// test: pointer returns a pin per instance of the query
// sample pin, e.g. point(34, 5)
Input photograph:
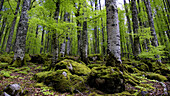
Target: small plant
point(6, 73)
point(153, 53)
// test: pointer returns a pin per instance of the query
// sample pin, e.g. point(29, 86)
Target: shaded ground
point(23, 76)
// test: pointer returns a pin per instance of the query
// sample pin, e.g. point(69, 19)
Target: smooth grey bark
point(2, 28)
point(154, 40)
point(62, 49)
point(12, 28)
point(113, 34)
point(103, 28)
point(136, 46)
point(129, 25)
point(42, 40)
point(22, 31)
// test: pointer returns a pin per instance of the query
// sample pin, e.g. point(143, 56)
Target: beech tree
point(113, 35)
point(19, 52)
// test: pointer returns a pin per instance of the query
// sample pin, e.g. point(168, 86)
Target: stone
point(105, 79)
point(13, 90)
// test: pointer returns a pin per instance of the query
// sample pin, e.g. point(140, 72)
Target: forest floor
point(24, 77)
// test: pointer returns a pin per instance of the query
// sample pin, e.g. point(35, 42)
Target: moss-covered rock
point(6, 59)
point(93, 65)
point(106, 79)
point(156, 76)
point(73, 66)
point(61, 80)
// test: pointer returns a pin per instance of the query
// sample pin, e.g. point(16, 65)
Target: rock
point(61, 80)
point(105, 79)
point(73, 66)
point(13, 90)
point(156, 76)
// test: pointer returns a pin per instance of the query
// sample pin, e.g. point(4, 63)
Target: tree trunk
point(1, 4)
point(4, 40)
point(42, 40)
point(103, 28)
point(154, 40)
point(113, 34)
point(19, 52)
point(84, 41)
point(96, 46)
point(136, 46)
point(12, 28)
point(129, 25)
point(2, 28)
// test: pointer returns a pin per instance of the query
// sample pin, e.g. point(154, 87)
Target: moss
point(6, 59)
point(1, 76)
point(73, 66)
point(156, 76)
point(94, 94)
point(39, 85)
point(3, 65)
point(27, 57)
point(94, 57)
point(106, 78)
point(130, 79)
point(93, 65)
point(18, 62)
point(124, 93)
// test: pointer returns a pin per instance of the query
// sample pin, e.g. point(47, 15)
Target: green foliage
point(153, 52)
point(6, 73)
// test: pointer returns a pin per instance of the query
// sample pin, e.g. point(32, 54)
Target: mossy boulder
point(156, 76)
point(6, 59)
point(73, 66)
point(95, 57)
point(107, 79)
point(61, 80)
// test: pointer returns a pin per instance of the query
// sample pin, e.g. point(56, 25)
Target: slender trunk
point(84, 41)
point(1, 4)
point(12, 28)
point(36, 34)
point(42, 40)
point(113, 34)
point(154, 40)
point(78, 28)
point(2, 28)
point(4, 40)
point(22, 32)
point(136, 46)
point(103, 38)
point(96, 47)
point(129, 25)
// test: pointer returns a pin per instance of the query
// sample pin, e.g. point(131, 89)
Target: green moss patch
point(3, 65)
point(156, 76)
point(73, 66)
point(106, 79)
